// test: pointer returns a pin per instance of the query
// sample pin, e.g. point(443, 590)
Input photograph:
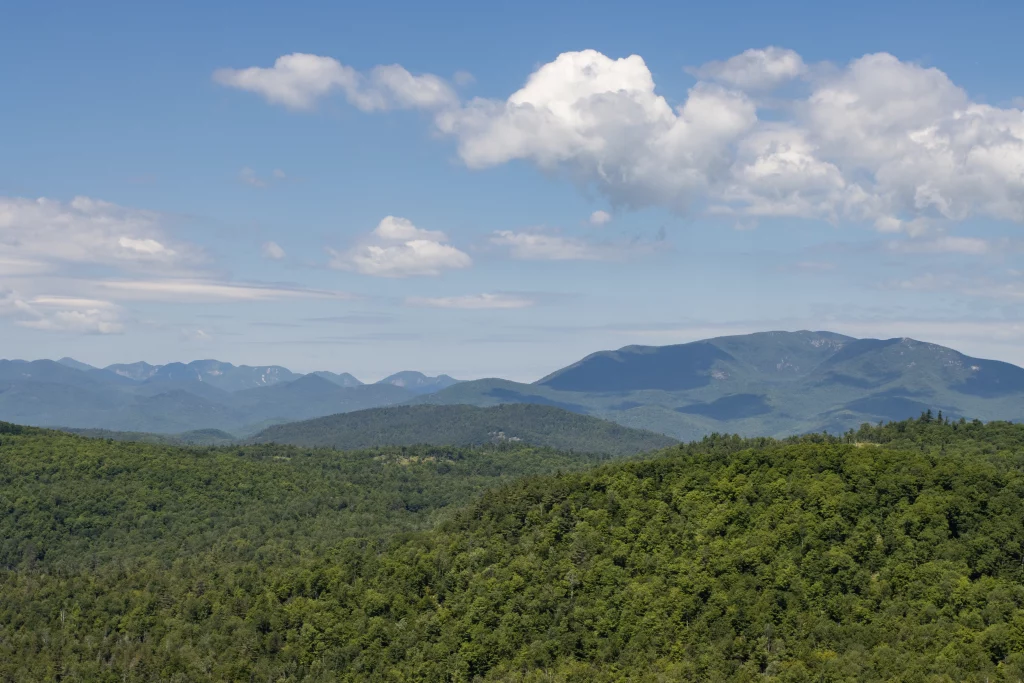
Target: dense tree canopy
point(890, 553)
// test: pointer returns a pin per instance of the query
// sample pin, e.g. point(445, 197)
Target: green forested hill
point(467, 425)
point(813, 559)
point(70, 502)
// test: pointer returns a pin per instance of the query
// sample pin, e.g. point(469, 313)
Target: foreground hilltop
point(890, 553)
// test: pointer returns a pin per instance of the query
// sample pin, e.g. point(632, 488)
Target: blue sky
point(484, 190)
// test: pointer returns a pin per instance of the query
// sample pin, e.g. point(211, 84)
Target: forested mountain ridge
point(466, 425)
point(884, 553)
point(775, 383)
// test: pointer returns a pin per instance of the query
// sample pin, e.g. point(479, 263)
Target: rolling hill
point(466, 425)
point(892, 553)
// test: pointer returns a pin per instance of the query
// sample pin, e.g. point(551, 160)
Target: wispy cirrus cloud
point(90, 231)
point(249, 177)
point(547, 245)
point(474, 302)
point(182, 290)
point(62, 313)
point(943, 244)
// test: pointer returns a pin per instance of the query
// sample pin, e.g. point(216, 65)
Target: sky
point(485, 189)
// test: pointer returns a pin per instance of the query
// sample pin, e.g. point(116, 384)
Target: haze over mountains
point(180, 397)
point(772, 383)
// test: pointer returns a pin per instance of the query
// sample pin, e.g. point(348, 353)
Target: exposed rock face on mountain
point(418, 383)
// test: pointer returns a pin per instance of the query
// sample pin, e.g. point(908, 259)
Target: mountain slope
point(342, 380)
point(14, 372)
point(774, 383)
point(465, 425)
point(137, 371)
point(313, 396)
point(77, 365)
point(633, 368)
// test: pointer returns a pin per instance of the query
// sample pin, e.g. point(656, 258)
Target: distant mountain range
point(772, 383)
point(182, 397)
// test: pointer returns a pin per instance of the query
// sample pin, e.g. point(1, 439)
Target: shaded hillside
point(820, 558)
point(466, 425)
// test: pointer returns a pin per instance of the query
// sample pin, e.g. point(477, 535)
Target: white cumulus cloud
point(397, 248)
point(299, 80)
point(878, 141)
point(600, 121)
point(600, 218)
